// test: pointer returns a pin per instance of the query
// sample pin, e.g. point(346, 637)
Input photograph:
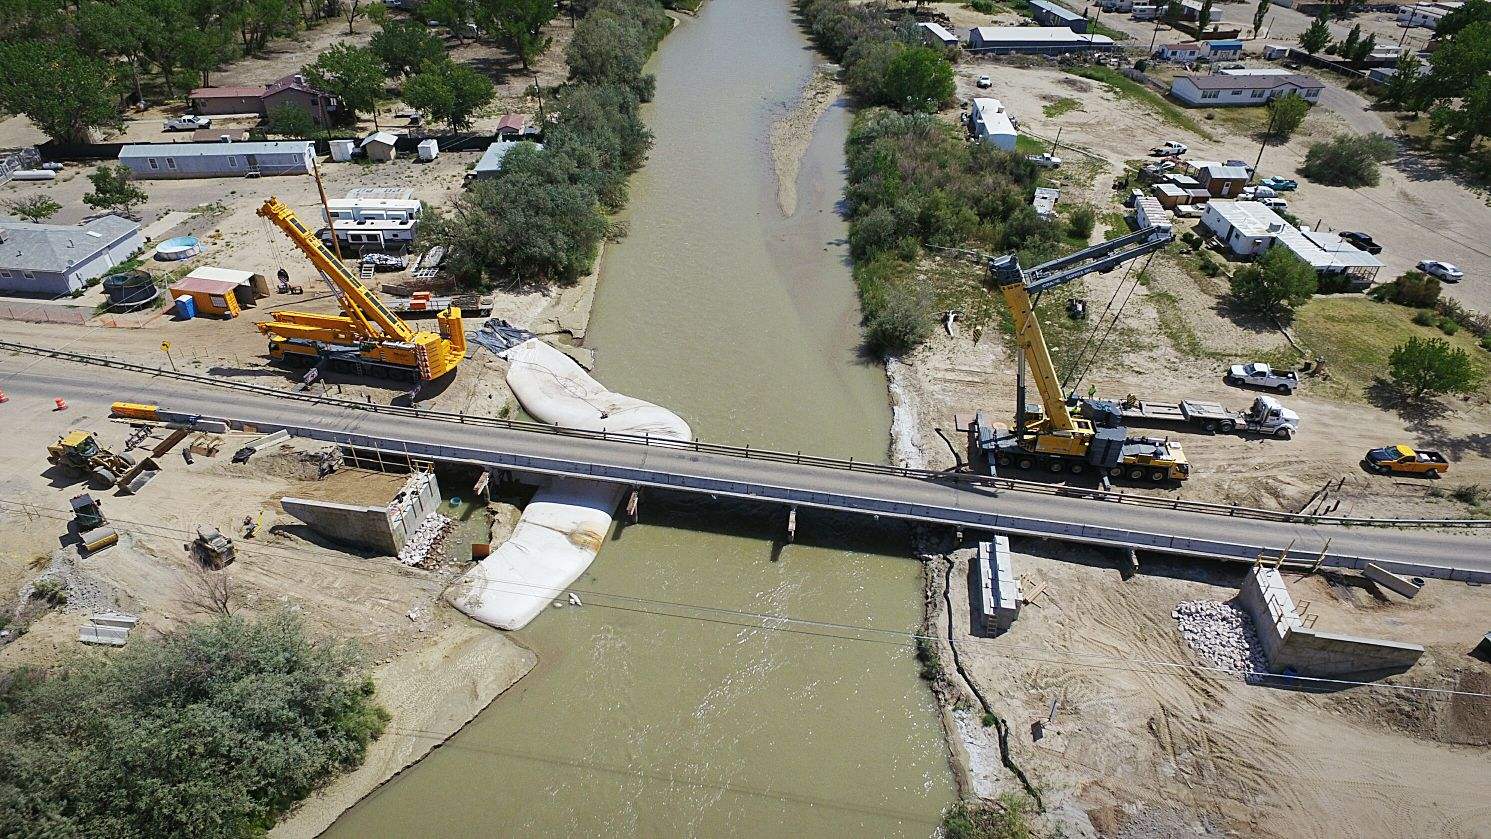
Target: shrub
point(1285, 113)
point(1348, 160)
point(1486, 341)
point(214, 730)
point(989, 719)
point(1469, 494)
point(1425, 317)
point(917, 79)
point(899, 322)
point(51, 590)
point(1412, 288)
point(1006, 818)
point(1334, 284)
point(1448, 326)
point(1082, 221)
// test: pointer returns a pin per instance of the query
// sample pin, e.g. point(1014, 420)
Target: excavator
point(366, 338)
point(1055, 440)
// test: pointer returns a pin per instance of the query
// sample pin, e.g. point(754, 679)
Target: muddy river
point(649, 715)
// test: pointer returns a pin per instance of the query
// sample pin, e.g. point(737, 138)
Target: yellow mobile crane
point(1057, 441)
point(366, 338)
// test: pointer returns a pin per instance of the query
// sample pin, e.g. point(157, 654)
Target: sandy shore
point(432, 692)
point(791, 135)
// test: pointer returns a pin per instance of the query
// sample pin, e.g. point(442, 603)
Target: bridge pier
point(633, 504)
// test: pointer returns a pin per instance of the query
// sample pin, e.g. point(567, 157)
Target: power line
point(812, 627)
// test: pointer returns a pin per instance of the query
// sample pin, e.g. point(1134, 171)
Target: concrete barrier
point(998, 591)
point(1388, 580)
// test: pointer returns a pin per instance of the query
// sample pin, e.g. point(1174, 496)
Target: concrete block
point(364, 527)
point(1388, 580)
point(999, 590)
point(1326, 654)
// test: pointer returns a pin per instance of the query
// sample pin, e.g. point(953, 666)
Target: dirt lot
point(1141, 746)
point(1177, 335)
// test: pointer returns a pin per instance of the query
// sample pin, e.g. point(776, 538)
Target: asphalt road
point(32, 384)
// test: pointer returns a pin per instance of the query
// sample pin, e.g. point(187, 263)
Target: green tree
point(1317, 36)
point(352, 74)
point(1285, 113)
point(613, 41)
point(1411, 288)
point(290, 120)
point(1475, 11)
point(455, 15)
point(448, 92)
point(1430, 366)
point(1461, 60)
point(113, 191)
point(1404, 89)
point(519, 24)
point(1082, 221)
point(1259, 14)
point(864, 77)
point(1347, 48)
point(1203, 17)
point(918, 79)
point(404, 46)
point(213, 730)
point(1276, 282)
point(1173, 10)
point(37, 208)
point(63, 92)
point(532, 224)
point(1469, 120)
point(116, 30)
point(1348, 159)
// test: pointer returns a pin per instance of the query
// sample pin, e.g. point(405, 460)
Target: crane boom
point(359, 304)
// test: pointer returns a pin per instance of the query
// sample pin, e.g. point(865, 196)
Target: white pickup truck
point(1258, 374)
point(190, 122)
point(1169, 149)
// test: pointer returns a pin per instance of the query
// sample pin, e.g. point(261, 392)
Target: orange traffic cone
point(61, 406)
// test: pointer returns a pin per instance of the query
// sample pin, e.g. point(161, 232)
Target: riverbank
point(430, 694)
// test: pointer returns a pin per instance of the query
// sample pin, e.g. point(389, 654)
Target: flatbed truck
point(1264, 416)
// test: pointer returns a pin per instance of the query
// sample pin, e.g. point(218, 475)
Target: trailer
point(1264, 416)
point(421, 303)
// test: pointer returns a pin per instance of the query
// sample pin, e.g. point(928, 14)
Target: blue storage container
point(186, 307)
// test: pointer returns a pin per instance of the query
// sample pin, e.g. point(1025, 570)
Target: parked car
point(1361, 241)
point(1169, 149)
point(1278, 184)
point(190, 122)
point(985, 81)
point(1278, 205)
point(1442, 270)
point(1257, 193)
point(1258, 374)
point(1045, 160)
point(1403, 460)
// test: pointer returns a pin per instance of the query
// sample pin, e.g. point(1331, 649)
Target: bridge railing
point(995, 483)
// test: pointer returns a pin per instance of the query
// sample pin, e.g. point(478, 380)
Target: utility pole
point(1272, 117)
point(1154, 37)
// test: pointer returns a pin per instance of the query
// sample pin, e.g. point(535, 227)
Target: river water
point(655, 717)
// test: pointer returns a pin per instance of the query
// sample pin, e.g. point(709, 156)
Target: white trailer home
point(988, 121)
point(149, 161)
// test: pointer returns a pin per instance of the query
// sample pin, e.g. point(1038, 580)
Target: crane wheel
point(1056, 467)
point(1077, 468)
point(1115, 472)
point(1027, 463)
point(1003, 460)
point(1136, 474)
point(1157, 475)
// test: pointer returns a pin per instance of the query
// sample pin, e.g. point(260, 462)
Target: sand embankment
point(793, 133)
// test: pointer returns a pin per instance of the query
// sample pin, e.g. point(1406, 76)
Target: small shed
point(210, 297)
point(935, 34)
point(1275, 52)
point(341, 150)
point(1223, 181)
point(1045, 201)
point(1170, 196)
point(428, 150)
point(491, 160)
point(380, 145)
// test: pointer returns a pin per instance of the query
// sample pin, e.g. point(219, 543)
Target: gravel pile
point(1223, 634)
point(425, 547)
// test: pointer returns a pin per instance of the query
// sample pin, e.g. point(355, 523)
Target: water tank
point(130, 290)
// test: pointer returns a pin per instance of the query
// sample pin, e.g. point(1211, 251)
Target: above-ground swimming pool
point(181, 247)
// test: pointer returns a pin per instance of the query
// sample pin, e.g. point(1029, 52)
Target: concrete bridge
point(800, 481)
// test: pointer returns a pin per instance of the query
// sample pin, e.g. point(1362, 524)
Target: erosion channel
point(646, 718)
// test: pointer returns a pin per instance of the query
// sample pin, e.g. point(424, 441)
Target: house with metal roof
point(1248, 229)
point(988, 121)
point(58, 259)
point(150, 161)
point(1226, 89)
point(1049, 13)
point(1033, 40)
point(260, 99)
